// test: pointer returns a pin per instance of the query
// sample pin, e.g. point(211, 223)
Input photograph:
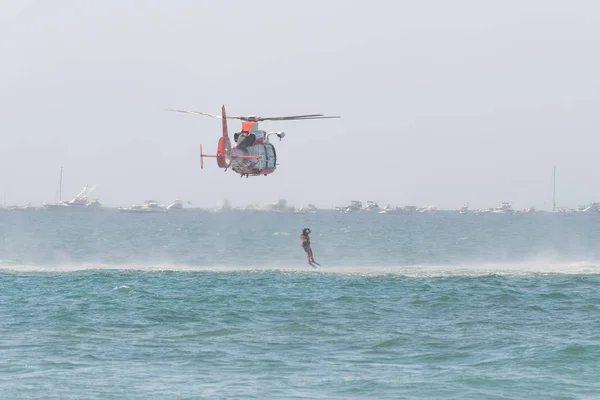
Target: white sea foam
point(474, 269)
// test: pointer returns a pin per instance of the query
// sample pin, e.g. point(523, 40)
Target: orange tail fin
point(224, 118)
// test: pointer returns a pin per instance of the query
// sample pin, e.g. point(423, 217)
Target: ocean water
point(100, 305)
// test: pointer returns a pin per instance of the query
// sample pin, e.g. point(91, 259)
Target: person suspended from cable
point(305, 237)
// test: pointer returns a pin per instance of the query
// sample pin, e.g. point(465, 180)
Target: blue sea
point(223, 305)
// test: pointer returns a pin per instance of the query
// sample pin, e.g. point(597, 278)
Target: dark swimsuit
point(306, 246)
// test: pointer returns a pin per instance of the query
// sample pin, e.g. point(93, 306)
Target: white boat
point(149, 206)
point(371, 206)
point(355, 205)
point(429, 210)
point(483, 211)
point(505, 208)
point(59, 195)
point(80, 201)
point(28, 207)
point(464, 209)
point(94, 204)
point(592, 208)
point(309, 209)
point(177, 205)
point(564, 210)
point(5, 207)
point(388, 209)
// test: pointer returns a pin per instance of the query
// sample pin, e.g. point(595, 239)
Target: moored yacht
point(28, 207)
point(505, 208)
point(149, 206)
point(94, 204)
point(564, 210)
point(309, 209)
point(388, 209)
point(484, 211)
point(355, 205)
point(80, 201)
point(371, 206)
point(592, 208)
point(177, 205)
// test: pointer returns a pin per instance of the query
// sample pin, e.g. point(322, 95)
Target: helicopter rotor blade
point(197, 113)
point(206, 114)
point(258, 119)
point(297, 117)
point(291, 117)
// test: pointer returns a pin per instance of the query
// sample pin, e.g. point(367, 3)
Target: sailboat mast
point(60, 186)
point(554, 190)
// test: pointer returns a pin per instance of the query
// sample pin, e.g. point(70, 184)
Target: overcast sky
point(442, 102)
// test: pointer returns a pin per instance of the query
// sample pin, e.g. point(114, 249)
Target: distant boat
point(4, 207)
point(80, 201)
point(388, 209)
point(505, 208)
point(355, 205)
point(149, 206)
point(371, 206)
point(177, 205)
point(28, 207)
point(592, 208)
point(309, 209)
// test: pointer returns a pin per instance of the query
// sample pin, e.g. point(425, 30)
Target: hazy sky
point(442, 102)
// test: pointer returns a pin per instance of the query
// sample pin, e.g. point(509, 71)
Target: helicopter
point(254, 154)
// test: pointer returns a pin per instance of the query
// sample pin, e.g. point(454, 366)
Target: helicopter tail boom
point(221, 157)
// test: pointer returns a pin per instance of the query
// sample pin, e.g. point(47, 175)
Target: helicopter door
point(268, 156)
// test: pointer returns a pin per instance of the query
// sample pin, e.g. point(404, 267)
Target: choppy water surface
point(208, 305)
